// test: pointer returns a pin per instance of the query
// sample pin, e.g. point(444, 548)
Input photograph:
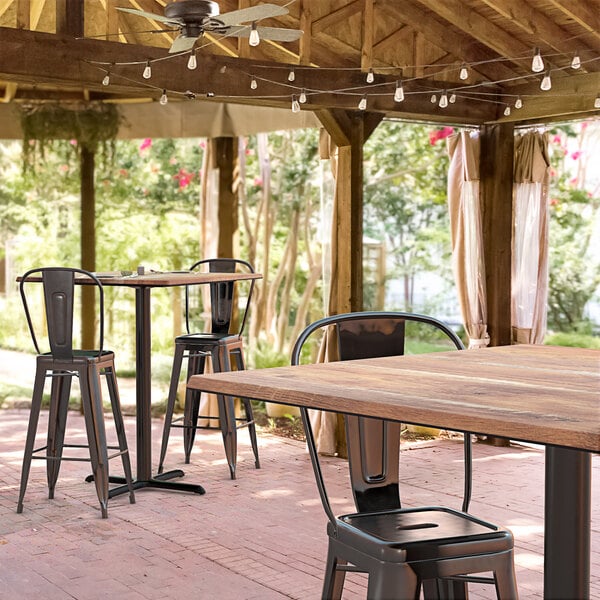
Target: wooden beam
point(224, 152)
point(368, 28)
point(496, 172)
point(306, 26)
point(585, 12)
point(337, 16)
point(69, 18)
point(23, 14)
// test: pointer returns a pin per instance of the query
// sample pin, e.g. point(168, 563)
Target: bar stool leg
point(57, 420)
point(196, 365)
point(175, 373)
point(94, 423)
point(506, 587)
point(34, 415)
point(247, 403)
point(115, 403)
point(226, 411)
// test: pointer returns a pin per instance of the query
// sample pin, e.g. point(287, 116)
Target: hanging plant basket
point(92, 126)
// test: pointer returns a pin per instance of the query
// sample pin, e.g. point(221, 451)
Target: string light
point(362, 105)
point(106, 80)
point(597, 101)
point(192, 63)
point(464, 72)
point(189, 95)
point(518, 102)
point(452, 98)
point(433, 98)
point(292, 75)
point(163, 99)
point(546, 82)
point(370, 76)
point(295, 105)
point(253, 83)
point(399, 93)
point(507, 111)
point(147, 71)
point(537, 64)
point(576, 62)
point(302, 97)
point(443, 100)
point(254, 39)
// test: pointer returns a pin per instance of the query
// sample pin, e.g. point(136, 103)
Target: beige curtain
point(466, 232)
point(328, 427)
point(530, 238)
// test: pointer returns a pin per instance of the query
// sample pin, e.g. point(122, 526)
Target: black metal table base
point(159, 482)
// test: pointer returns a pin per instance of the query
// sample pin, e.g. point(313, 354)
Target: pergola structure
point(462, 62)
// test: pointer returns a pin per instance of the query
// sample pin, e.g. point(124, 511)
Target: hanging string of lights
point(442, 95)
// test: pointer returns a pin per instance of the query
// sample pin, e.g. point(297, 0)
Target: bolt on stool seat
point(435, 548)
point(61, 364)
point(223, 345)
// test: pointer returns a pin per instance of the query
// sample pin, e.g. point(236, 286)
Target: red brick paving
point(260, 537)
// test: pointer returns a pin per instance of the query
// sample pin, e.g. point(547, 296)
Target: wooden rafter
point(585, 12)
point(337, 16)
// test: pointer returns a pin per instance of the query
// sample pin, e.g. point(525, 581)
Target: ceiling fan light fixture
point(254, 39)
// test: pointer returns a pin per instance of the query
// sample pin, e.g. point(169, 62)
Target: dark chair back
point(222, 295)
point(59, 300)
point(374, 444)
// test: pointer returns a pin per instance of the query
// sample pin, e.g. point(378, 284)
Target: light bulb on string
point(443, 100)
point(518, 102)
point(537, 64)
point(399, 92)
point(597, 101)
point(106, 79)
point(433, 99)
point(147, 71)
point(362, 105)
point(295, 105)
point(192, 62)
point(464, 72)
point(292, 75)
point(452, 98)
point(163, 99)
point(253, 84)
point(507, 111)
point(302, 97)
point(546, 82)
point(576, 62)
point(254, 39)
point(370, 76)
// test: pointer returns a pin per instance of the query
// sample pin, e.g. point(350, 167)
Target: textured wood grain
point(542, 394)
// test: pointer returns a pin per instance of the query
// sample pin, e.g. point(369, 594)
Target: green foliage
point(576, 340)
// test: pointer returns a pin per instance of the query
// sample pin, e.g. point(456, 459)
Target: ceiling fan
point(195, 17)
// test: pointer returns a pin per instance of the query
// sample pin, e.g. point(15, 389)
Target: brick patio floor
point(260, 537)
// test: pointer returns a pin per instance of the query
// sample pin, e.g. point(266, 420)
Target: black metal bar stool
point(402, 549)
point(61, 364)
point(223, 345)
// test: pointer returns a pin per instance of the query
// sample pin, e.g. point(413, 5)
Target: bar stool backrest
point(59, 299)
point(222, 295)
point(374, 444)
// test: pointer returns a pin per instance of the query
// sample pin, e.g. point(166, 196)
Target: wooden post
point(349, 130)
point(88, 244)
point(224, 159)
point(497, 144)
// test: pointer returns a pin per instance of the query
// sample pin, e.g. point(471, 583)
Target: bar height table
point(542, 394)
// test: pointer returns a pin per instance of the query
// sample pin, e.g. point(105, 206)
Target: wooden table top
point(541, 394)
point(161, 279)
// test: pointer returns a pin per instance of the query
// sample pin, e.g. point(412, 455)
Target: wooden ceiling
point(63, 49)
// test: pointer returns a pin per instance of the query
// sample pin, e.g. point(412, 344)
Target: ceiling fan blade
point(149, 15)
point(182, 44)
point(253, 13)
point(276, 34)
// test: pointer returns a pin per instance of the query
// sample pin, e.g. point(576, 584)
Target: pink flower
point(147, 143)
point(573, 181)
point(184, 178)
point(202, 144)
point(173, 161)
point(552, 172)
point(73, 142)
point(63, 168)
point(576, 155)
point(554, 202)
point(123, 172)
point(440, 134)
point(556, 140)
point(258, 181)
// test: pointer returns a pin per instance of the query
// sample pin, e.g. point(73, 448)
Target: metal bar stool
point(402, 549)
point(223, 345)
point(61, 364)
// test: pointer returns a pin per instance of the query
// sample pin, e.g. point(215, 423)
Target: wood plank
point(23, 14)
point(585, 12)
point(530, 393)
point(337, 16)
point(368, 27)
point(306, 26)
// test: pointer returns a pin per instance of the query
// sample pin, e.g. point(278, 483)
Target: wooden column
point(349, 131)
point(224, 153)
point(497, 144)
point(88, 243)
